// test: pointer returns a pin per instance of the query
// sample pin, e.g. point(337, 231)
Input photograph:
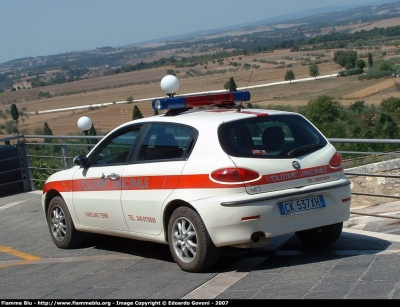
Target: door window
point(116, 149)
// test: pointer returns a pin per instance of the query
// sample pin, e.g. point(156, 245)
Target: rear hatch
point(285, 149)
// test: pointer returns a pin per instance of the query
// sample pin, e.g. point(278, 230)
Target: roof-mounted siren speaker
point(170, 85)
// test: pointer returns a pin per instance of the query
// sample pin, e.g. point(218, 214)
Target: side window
point(165, 141)
point(116, 149)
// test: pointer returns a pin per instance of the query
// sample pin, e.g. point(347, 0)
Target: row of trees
point(355, 66)
point(346, 58)
point(313, 70)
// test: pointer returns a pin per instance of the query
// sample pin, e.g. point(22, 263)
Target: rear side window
point(166, 142)
point(274, 136)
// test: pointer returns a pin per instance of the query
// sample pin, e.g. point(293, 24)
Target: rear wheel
point(189, 242)
point(320, 236)
point(61, 227)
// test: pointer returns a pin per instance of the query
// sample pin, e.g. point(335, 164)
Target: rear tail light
point(336, 160)
point(234, 175)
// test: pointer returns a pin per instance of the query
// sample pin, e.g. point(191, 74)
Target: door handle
point(113, 176)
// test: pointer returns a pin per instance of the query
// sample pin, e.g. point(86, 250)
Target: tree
point(47, 131)
point(370, 62)
point(14, 112)
point(136, 114)
point(314, 70)
point(323, 110)
point(289, 76)
point(357, 106)
point(171, 72)
point(230, 85)
point(360, 64)
point(348, 66)
point(129, 99)
point(385, 127)
point(92, 131)
point(391, 105)
point(385, 66)
point(344, 58)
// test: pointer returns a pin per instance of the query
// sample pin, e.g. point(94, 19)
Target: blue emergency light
point(188, 102)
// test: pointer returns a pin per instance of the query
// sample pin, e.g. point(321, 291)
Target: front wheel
point(189, 242)
point(61, 226)
point(320, 236)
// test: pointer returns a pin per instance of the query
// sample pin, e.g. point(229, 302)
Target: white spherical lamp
point(84, 123)
point(170, 84)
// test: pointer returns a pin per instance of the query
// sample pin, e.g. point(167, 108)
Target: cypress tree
point(92, 131)
point(136, 113)
point(370, 63)
point(14, 112)
point(232, 85)
point(47, 131)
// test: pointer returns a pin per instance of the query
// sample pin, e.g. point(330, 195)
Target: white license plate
point(301, 205)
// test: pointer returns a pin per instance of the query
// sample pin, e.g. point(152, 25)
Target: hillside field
point(271, 68)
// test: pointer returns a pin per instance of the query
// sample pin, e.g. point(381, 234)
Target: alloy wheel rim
point(58, 225)
point(184, 240)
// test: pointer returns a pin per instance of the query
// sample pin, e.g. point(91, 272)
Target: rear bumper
point(291, 193)
point(233, 219)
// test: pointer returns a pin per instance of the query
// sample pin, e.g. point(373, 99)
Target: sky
point(31, 28)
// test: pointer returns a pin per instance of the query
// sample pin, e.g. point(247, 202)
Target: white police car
point(199, 180)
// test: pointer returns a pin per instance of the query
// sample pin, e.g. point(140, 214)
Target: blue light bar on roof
point(218, 100)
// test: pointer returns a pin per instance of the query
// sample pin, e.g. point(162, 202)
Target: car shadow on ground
point(291, 253)
point(228, 256)
point(128, 246)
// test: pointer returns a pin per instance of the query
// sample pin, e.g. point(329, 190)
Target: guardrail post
point(64, 151)
point(25, 164)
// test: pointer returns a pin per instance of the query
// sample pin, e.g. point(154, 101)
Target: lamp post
point(85, 123)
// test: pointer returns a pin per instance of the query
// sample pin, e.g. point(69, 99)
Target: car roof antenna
point(240, 106)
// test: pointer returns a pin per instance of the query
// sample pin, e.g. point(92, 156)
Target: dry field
point(344, 89)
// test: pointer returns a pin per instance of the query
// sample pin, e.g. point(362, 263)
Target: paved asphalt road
point(363, 263)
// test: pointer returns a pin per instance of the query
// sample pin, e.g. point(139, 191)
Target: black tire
point(189, 241)
point(61, 226)
point(321, 236)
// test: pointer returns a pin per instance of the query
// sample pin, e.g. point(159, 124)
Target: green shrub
point(42, 169)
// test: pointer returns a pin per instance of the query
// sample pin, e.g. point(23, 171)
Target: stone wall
point(375, 185)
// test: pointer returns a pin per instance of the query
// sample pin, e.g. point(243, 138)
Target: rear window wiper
point(302, 149)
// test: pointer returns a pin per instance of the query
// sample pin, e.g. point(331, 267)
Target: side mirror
point(81, 160)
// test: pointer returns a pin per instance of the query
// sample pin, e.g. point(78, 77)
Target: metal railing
point(32, 148)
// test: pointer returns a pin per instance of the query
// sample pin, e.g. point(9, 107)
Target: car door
point(160, 159)
point(97, 188)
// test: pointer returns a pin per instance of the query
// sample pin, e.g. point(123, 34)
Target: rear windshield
point(273, 136)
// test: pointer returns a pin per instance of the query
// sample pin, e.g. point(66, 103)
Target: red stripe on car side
point(61, 186)
point(198, 181)
point(299, 174)
point(203, 182)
